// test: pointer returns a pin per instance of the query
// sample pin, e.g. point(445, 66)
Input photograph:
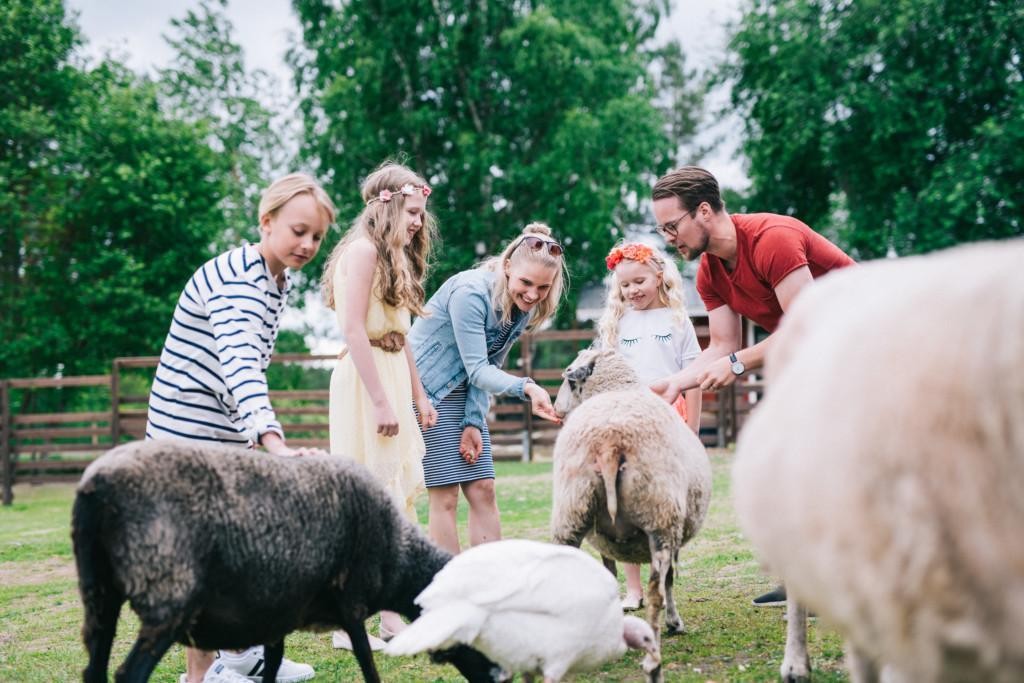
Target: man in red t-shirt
point(753, 265)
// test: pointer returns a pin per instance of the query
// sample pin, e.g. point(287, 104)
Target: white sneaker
point(218, 673)
point(251, 664)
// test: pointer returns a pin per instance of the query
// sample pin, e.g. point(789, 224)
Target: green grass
point(727, 639)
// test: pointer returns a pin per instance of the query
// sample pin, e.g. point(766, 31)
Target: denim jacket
point(450, 346)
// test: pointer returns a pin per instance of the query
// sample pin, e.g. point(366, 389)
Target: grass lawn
point(727, 639)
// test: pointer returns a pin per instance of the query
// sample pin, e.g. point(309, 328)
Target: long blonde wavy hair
point(402, 268)
point(500, 296)
point(670, 294)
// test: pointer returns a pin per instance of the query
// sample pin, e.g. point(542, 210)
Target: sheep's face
point(570, 394)
point(593, 372)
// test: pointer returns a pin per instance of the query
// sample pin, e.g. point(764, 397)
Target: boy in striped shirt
point(211, 382)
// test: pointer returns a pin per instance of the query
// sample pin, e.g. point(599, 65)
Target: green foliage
point(891, 123)
point(513, 111)
point(109, 204)
point(133, 212)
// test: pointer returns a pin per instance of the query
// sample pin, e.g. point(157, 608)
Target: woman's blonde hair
point(402, 268)
point(513, 255)
point(670, 294)
point(284, 189)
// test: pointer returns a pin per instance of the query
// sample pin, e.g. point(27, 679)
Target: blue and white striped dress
point(442, 464)
point(211, 383)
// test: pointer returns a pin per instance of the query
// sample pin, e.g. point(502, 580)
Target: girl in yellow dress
point(373, 280)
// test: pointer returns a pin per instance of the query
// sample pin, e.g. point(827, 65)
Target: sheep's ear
point(580, 373)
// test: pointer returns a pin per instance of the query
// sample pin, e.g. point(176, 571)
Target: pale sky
point(132, 30)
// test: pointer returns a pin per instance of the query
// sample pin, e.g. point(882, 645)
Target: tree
point(892, 123)
point(514, 112)
point(35, 93)
point(110, 205)
point(208, 83)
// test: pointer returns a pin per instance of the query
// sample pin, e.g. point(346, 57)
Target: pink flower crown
point(634, 251)
point(408, 190)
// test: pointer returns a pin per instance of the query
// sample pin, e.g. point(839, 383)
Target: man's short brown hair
point(692, 185)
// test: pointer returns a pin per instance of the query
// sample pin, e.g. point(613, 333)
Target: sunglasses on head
point(536, 243)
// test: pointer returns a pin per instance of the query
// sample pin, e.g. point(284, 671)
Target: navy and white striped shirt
point(211, 383)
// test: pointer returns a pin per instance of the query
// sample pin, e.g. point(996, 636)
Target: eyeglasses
point(536, 244)
point(671, 229)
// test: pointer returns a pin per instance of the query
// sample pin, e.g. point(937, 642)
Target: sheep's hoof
point(674, 627)
point(795, 672)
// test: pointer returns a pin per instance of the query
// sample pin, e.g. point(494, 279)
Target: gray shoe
point(773, 598)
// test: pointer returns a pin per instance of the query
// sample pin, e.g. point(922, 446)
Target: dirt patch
point(35, 573)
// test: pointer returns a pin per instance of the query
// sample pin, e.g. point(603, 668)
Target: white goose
point(533, 608)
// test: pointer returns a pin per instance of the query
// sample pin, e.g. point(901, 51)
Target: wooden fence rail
point(58, 446)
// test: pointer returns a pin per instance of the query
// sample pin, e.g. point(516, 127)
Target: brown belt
point(389, 342)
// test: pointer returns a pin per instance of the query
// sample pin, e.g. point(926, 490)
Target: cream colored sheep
point(629, 475)
point(892, 437)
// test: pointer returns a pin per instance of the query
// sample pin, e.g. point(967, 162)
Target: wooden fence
point(58, 445)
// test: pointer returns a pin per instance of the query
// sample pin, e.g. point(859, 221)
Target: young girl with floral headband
point(373, 280)
point(645, 320)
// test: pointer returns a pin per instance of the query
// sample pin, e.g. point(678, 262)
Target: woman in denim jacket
point(472, 322)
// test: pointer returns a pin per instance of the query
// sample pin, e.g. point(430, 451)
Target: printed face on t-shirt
point(638, 284)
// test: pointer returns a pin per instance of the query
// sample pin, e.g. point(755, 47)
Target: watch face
point(738, 368)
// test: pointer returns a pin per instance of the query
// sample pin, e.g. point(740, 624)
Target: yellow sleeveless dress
point(396, 461)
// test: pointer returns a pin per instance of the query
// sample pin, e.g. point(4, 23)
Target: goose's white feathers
point(528, 606)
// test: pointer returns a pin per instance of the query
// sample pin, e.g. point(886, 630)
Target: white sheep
point(219, 547)
point(892, 435)
point(629, 475)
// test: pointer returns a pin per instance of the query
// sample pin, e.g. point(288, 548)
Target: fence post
point(526, 351)
point(6, 442)
point(729, 410)
point(115, 403)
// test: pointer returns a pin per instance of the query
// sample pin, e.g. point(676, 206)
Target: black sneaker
point(774, 598)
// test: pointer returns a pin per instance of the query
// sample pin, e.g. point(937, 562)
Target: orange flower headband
point(633, 251)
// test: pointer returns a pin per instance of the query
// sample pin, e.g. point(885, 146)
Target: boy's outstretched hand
point(275, 445)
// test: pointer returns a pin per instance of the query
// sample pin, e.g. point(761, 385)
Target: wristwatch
point(737, 365)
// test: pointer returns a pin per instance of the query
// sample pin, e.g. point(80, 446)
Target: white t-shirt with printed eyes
point(655, 343)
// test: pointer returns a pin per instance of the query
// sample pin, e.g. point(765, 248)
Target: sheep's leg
point(609, 564)
point(861, 667)
point(661, 565)
point(796, 665)
point(673, 621)
point(567, 535)
point(356, 631)
point(273, 653)
point(152, 643)
point(102, 609)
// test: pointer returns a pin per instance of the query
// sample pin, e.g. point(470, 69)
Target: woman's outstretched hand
point(540, 403)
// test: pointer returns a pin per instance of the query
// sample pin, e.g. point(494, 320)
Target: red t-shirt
point(768, 248)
